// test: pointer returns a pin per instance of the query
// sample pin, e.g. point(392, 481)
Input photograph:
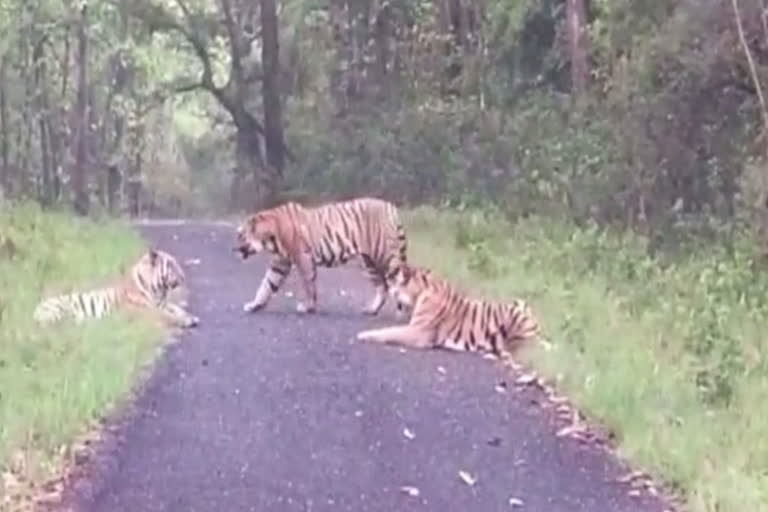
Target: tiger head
point(408, 282)
point(156, 273)
point(258, 233)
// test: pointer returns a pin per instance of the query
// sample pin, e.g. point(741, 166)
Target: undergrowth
point(668, 352)
point(55, 382)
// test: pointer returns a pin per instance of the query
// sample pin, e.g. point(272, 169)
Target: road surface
point(279, 412)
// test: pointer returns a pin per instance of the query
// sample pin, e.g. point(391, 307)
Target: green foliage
point(54, 383)
point(666, 352)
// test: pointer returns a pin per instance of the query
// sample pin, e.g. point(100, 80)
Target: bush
point(55, 382)
point(667, 351)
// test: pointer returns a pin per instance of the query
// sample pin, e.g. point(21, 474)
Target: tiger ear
point(254, 220)
point(153, 256)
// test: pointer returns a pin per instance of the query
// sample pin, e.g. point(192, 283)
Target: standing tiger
point(328, 236)
point(444, 317)
point(147, 285)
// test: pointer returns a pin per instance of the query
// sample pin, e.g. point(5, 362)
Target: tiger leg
point(177, 315)
point(308, 273)
point(402, 309)
point(379, 283)
point(411, 336)
point(275, 276)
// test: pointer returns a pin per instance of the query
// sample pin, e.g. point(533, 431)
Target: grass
point(55, 382)
point(668, 354)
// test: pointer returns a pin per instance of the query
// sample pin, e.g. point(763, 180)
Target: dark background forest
point(603, 159)
point(644, 114)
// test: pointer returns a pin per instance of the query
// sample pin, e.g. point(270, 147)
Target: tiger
point(444, 317)
point(328, 235)
point(147, 285)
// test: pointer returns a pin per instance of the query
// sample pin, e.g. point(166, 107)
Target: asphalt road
point(280, 412)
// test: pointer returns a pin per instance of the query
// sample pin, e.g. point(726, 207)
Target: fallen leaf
point(516, 502)
point(358, 413)
point(569, 430)
point(632, 475)
point(494, 441)
point(492, 357)
point(441, 370)
point(467, 478)
point(501, 387)
point(410, 490)
point(526, 379)
point(193, 261)
point(408, 433)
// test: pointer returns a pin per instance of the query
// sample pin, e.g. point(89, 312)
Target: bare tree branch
point(236, 68)
point(159, 19)
point(750, 62)
point(166, 91)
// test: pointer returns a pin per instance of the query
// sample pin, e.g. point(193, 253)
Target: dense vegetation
point(55, 383)
point(625, 142)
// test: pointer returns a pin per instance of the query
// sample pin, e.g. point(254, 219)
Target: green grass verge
point(669, 355)
point(54, 382)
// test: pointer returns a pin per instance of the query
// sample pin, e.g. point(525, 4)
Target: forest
point(569, 150)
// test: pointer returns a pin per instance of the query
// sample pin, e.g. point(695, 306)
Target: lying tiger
point(328, 235)
point(146, 286)
point(444, 317)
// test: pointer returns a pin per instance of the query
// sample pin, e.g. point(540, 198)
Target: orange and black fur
point(146, 286)
point(329, 235)
point(443, 317)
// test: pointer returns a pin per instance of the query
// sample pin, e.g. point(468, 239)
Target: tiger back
point(443, 316)
point(328, 236)
point(146, 286)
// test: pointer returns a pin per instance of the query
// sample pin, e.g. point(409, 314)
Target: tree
point(577, 46)
point(270, 56)
point(201, 28)
point(80, 119)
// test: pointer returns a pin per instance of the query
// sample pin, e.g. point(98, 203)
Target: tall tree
point(577, 45)
point(200, 27)
point(80, 119)
point(270, 57)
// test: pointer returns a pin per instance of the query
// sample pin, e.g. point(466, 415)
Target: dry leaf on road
point(467, 478)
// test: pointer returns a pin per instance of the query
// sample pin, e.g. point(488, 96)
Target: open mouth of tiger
point(244, 250)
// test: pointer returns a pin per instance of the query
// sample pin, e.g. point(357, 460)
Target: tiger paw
point(364, 336)
point(304, 309)
point(252, 307)
point(373, 308)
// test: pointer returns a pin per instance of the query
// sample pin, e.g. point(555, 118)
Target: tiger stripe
point(329, 235)
point(147, 285)
point(445, 317)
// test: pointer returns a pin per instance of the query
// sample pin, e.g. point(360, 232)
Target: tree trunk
point(340, 63)
point(114, 180)
point(382, 36)
point(257, 181)
point(4, 131)
point(273, 123)
point(577, 45)
point(80, 132)
point(41, 104)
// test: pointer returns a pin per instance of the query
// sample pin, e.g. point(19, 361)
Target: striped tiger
point(147, 285)
point(443, 317)
point(327, 236)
